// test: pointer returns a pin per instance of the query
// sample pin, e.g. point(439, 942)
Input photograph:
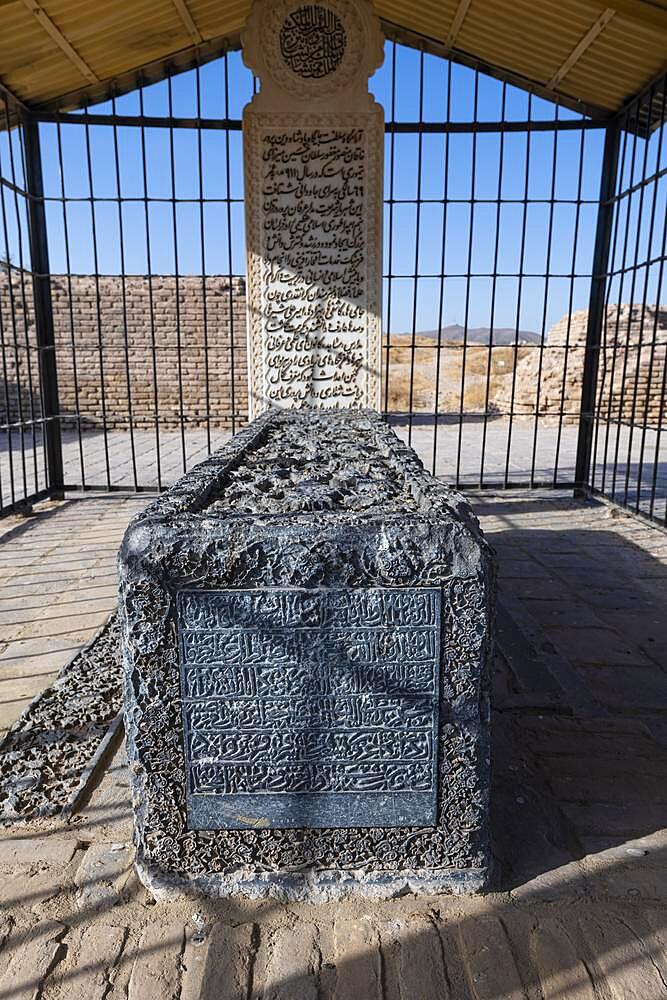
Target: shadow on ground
point(578, 813)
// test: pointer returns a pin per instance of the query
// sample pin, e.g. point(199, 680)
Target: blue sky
point(223, 94)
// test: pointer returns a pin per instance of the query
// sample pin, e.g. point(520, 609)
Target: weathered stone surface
point(45, 754)
point(307, 503)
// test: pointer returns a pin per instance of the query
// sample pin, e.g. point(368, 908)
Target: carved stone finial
point(312, 51)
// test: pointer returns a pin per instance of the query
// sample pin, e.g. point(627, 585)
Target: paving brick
point(422, 974)
point(488, 960)
point(32, 963)
point(29, 891)
point(358, 971)
point(11, 710)
point(101, 875)
point(562, 974)
point(614, 819)
point(156, 971)
point(563, 882)
point(292, 965)
point(219, 967)
point(38, 850)
point(622, 960)
point(601, 646)
point(628, 689)
point(100, 948)
point(66, 627)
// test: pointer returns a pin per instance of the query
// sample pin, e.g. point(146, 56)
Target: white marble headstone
point(313, 142)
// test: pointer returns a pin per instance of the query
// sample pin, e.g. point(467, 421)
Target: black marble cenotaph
point(307, 627)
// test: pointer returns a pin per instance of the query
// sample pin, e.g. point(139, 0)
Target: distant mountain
point(502, 336)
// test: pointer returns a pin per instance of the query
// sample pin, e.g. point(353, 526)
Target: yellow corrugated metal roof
point(586, 51)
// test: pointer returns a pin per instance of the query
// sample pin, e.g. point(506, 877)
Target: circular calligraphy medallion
point(313, 49)
point(312, 41)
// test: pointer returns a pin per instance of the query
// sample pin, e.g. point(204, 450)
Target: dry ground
point(486, 370)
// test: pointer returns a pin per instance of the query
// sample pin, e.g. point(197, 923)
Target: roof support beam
point(579, 49)
point(457, 21)
point(186, 17)
point(650, 13)
point(60, 40)
point(11, 96)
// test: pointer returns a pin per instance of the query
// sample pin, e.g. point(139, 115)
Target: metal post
point(41, 285)
point(596, 309)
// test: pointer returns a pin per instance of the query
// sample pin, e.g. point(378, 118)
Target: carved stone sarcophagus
point(306, 628)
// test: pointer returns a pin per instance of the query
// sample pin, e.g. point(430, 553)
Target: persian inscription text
point(313, 708)
point(314, 285)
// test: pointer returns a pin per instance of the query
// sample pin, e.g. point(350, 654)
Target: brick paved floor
point(94, 461)
point(579, 816)
point(58, 572)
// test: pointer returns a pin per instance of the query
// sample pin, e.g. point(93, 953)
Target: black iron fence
point(629, 354)
point(524, 251)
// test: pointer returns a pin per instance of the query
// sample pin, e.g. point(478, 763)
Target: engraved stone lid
point(339, 465)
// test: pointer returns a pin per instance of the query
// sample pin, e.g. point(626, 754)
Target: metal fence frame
point(638, 119)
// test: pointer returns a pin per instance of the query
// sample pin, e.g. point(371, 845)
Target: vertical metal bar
point(98, 307)
point(494, 282)
point(5, 388)
point(519, 292)
point(473, 178)
point(415, 278)
point(41, 284)
point(663, 388)
point(26, 335)
point(123, 292)
point(543, 332)
point(151, 305)
point(229, 251)
point(390, 254)
point(443, 258)
point(636, 267)
point(663, 400)
point(13, 307)
point(663, 393)
point(624, 270)
point(570, 304)
point(596, 307)
point(174, 224)
point(12, 314)
point(605, 325)
point(70, 301)
point(202, 235)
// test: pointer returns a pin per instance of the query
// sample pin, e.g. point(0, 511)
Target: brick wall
point(635, 384)
point(102, 376)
